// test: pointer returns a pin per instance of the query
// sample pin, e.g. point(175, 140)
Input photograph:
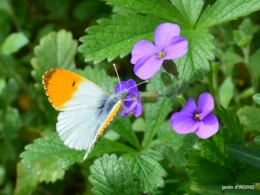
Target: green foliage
point(147, 155)
point(256, 98)
point(155, 113)
point(195, 63)
point(162, 9)
point(223, 11)
point(146, 170)
point(226, 92)
point(249, 155)
point(110, 175)
point(56, 50)
point(248, 116)
point(51, 146)
point(116, 37)
point(123, 127)
point(13, 43)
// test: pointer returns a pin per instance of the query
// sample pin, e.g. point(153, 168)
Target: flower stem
point(180, 99)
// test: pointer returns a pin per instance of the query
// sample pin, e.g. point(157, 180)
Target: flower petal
point(146, 67)
point(142, 49)
point(138, 110)
point(183, 123)
point(190, 107)
point(164, 33)
point(131, 84)
point(120, 86)
point(205, 104)
point(177, 48)
point(208, 126)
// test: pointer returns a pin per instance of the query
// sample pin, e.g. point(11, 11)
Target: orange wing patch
point(60, 85)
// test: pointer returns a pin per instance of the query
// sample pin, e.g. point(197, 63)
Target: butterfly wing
point(82, 104)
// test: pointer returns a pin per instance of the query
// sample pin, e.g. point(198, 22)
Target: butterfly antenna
point(146, 81)
point(117, 76)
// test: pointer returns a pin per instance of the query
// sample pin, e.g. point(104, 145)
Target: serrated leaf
point(116, 37)
point(226, 92)
point(223, 11)
point(201, 167)
point(146, 170)
point(190, 10)
point(161, 9)
point(51, 146)
point(248, 175)
point(98, 76)
point(13, 43)
point(155, 113)
point(110, 175)
point(48, 170)
point(123, 127)
point(26, 180)
point(107, 146)
point(249, 116)
point(248, 155)
point(231, 121)
point(218, 189)
point(56, 50)
point(256, 98)
point(196, 61)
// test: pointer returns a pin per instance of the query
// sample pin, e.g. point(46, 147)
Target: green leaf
point(146, 170)
point(223, 11)
point(161, 9)
point(110, 175)
point(48, 170)
point(195, 63)
point(12, 123)
point(155, 113)
point(98, 76)
point(190, 10)
point(123, 127)
point(107, 146)
point(116, 37)
point(248, 175)
point(26, 180)
point(56, 50)
point(241, 38)
point(220, 189)
point(256, 98)
point(13, 43)
point(257, 139)
point(226, 92)
point(51, 146)
point(201, 167)
point(254, 64)
point(230, 58)
point(231, 121)
point(249, 116)
point(248, 155)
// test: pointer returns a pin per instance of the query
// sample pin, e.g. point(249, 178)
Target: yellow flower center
point(197, 117)
point(161, 54)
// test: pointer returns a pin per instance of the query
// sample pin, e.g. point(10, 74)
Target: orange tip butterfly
point(86, 109)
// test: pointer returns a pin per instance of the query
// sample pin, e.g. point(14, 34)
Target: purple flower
point(132, 102)
point(148, 58)
point(198, 119)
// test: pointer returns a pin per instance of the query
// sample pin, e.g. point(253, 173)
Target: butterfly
point(86, 109)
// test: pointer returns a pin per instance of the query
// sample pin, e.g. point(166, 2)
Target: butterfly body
point(86, 109)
